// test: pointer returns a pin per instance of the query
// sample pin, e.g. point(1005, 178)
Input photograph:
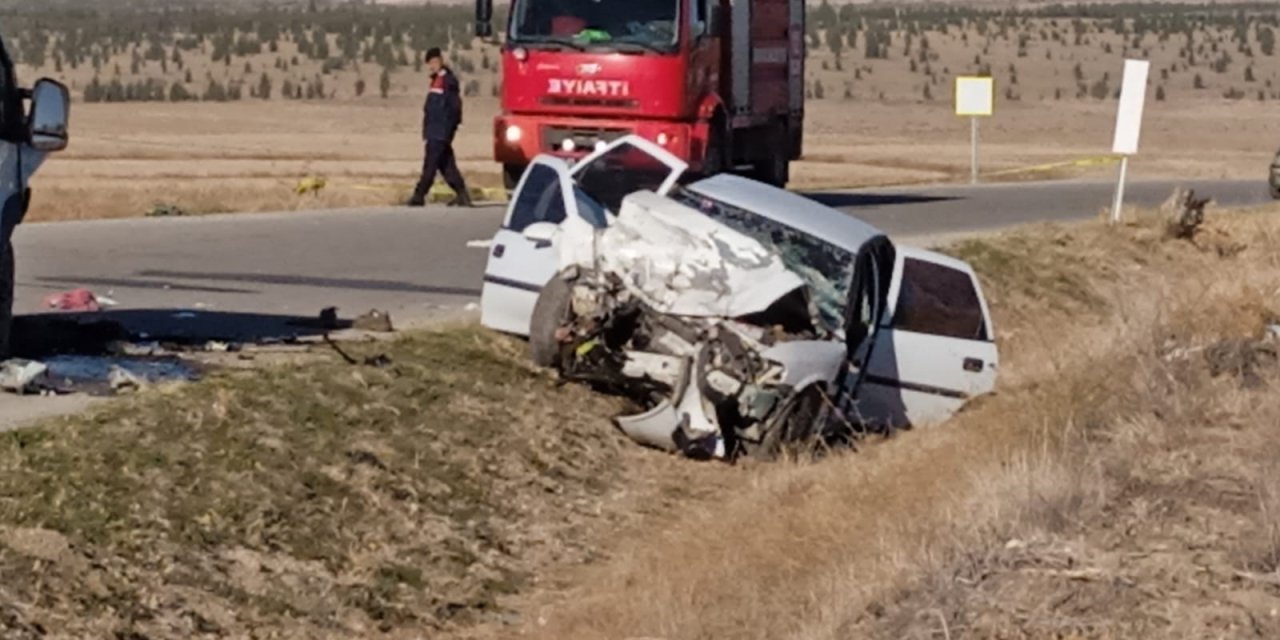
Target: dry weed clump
point(1096, 325)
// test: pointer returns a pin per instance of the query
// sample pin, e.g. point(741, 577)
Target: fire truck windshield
point(615, 25)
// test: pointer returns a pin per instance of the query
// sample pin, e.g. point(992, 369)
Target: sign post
point(975, 98)
point(1133, 98)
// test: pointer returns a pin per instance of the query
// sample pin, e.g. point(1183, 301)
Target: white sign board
point(975, 96)
point(1133, 98)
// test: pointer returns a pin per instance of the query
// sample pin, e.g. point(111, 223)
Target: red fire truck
point(719, 83)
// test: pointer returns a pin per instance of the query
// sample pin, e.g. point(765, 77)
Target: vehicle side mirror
point(541, 233)
point(50, 114)
point(715, 21)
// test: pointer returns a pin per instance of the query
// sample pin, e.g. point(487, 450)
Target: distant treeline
point(143, 49)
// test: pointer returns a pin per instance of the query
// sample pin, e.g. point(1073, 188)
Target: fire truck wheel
point(775, 168)
point(716, 160)
point(511, 174)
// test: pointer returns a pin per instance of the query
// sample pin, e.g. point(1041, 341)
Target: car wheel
point(549, 314)
point(795, 431)
point(6, 298)
point(511, 174)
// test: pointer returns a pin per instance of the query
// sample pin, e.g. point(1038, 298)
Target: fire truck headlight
point(663, 139)
point(514, 134)
point(568, 144)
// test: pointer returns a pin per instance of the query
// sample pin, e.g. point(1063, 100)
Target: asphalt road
point(251, 276)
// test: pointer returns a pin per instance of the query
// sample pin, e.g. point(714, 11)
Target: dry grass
point(204, 158)
point(457, 486)
point(326, 500)
point(844, 548)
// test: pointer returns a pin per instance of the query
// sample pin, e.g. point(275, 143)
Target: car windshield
point(608, 24)
point(825, 268)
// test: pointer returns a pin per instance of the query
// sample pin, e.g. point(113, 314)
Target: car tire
point(6, 298)
point(511, 174)
point(549, 314)
point(796, 430)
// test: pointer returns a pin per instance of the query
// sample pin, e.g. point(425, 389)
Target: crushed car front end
point(709, 333)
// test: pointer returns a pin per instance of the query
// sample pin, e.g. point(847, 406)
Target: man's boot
point(462, 199)
point(418, 199)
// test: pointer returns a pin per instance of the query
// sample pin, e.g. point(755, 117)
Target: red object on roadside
point(75, 300)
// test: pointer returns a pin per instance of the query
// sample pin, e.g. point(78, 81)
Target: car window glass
point(623, 170)
point(827, 269)
point(940, 301)
point(541, 199)
point(590, 209)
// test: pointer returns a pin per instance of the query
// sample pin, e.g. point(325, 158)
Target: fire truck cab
point(718, 83)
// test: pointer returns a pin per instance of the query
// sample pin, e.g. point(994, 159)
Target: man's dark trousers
point(441, 159)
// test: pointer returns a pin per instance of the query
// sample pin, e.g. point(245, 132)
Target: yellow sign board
point(975, 96)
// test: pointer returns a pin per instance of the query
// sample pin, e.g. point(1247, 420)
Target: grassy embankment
point(457, 486)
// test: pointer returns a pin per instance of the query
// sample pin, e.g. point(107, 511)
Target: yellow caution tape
point(1094, 161)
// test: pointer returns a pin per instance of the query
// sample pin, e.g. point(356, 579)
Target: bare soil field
point(127, 158)
point(1120, 484)
point(879, 108)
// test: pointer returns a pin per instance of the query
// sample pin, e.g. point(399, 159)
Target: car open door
point(522, 257)
point(934, 349)
point(627, 165)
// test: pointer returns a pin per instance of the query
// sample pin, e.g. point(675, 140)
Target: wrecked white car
point(741, 317)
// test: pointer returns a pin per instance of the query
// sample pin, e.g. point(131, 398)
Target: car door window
point(590, 209)
point(541, 199)
point(940, 301)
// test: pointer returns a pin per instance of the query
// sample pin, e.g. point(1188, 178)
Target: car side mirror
point(715, 21)
point(541, 233)
point(50, 114)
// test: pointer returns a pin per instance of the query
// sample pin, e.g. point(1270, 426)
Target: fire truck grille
point(560, 101)
point(584, 138)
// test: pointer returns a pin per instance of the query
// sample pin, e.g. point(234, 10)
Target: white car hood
point(679, 261)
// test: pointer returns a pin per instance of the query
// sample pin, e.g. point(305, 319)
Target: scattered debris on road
point(82, 300)
point(120, 379)
point(21, 376)
point(375, 321)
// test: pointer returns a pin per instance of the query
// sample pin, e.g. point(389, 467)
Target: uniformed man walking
point(441, 116)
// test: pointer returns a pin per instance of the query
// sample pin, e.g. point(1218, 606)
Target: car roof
point(795, 211)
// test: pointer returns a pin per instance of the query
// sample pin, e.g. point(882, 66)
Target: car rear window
point(938, 300)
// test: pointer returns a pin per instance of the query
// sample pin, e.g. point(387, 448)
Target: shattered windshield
point(825, 268)
point(611, 24)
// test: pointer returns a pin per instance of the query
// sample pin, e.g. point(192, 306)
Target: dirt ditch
point(437, 485)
